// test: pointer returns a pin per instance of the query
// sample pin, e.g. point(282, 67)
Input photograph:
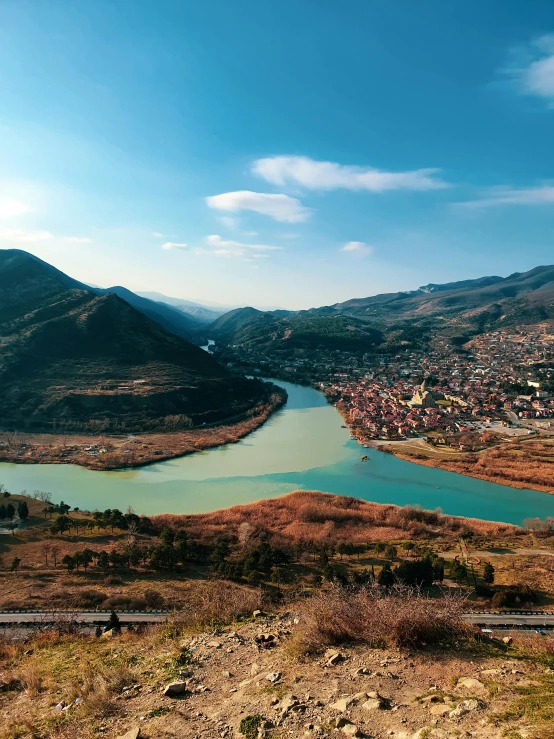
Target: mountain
point(170, 318)
point(202, 313)
point(73, 359)
point(472, 305)
point(282, 330)
point(390, 321)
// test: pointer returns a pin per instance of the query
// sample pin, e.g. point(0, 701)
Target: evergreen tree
point(10, 511)
point(68, 561)
point(488, 573)
point(23, 510)
point(167, 537)
point(386, 576)
point(103, 560)
point(114, 623)
point(3, 514)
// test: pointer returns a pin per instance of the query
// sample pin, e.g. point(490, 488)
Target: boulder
point(347, 727)
point(273, 677)
point(176, 688)
point(440, 709)
point(376, 702)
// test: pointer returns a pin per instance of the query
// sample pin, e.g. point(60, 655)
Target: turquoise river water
point(302, 446)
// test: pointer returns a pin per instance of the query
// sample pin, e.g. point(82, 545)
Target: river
point(302, 446)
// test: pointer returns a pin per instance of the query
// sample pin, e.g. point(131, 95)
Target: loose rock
point(173, 689)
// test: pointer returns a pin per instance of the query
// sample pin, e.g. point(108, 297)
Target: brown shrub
point(125, 603)
point(215, 603)
point(401, 618)
point(88, 599)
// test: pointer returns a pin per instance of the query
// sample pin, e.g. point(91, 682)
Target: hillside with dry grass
point(339, 664)
point(307, 616)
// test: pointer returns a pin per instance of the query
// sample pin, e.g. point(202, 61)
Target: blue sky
point(292, 153)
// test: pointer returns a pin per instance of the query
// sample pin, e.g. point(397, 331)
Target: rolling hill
point(73, 359)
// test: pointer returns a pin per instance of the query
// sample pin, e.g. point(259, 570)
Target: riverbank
point(103, 452)
point(521, 464)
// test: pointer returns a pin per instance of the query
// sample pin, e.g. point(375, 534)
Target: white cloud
point(172, 245)
point(278, 206)
point(238, 249)
point(532, 68)
point(76, 240)
point(10, 208)
point(357, 247)
point(314, 175)
point(18, 236)
point(158, 235)
point(541, 195)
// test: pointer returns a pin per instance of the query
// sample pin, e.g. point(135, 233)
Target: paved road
point(536, 621)
point(485, 553)
point(521, 620)
point(85, 617)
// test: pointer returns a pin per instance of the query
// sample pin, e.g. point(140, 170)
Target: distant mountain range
point(391, 321)
point(72, 357)
point(202, 313)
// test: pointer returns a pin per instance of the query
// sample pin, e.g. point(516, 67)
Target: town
point(498, 383)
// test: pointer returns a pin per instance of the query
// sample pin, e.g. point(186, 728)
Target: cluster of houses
point(504, 377)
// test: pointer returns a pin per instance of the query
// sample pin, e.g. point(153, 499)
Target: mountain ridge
point(457, 310)
point(70, 357)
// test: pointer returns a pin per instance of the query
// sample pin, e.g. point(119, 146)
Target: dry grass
point(213, 604)
point(98, 689)
point(31, 676)
point(401, 618)
point(323, 518)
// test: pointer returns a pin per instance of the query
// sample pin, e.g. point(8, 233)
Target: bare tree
point(46, 549)
point(54, 551)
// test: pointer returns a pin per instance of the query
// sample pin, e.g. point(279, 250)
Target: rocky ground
point(241, 682)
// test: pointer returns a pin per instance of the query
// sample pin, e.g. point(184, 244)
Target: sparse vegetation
point(395, 618)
